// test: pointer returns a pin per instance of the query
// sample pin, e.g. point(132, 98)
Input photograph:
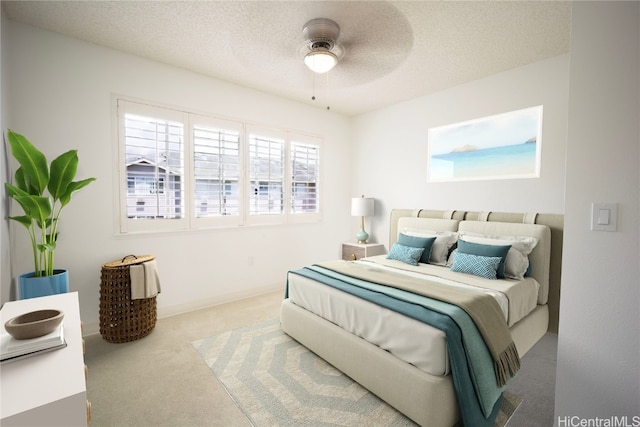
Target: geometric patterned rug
point(275, 381)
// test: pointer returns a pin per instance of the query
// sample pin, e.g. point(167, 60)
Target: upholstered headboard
point(441, 220)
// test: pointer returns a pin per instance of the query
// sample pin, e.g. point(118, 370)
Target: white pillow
point(443, 243)
point(517, 261)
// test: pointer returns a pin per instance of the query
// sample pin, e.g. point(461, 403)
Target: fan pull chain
point(327, 87)
point(313, 88)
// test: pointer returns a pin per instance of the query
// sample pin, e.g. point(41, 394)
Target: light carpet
point(276, 381)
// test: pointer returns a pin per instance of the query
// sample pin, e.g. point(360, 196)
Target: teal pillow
point(406, 254)
point(487, 251)
point(418, 242)
point(477, 265)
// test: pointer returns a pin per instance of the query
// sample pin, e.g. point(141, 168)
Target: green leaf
point(21, 180)
point(13, 191)
point(47, 247)
point(33, 163)
point(63, 170)
point(24, 220)
point(74, 187)
point(37, 207)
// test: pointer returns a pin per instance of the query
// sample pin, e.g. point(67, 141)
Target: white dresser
point(48, 389)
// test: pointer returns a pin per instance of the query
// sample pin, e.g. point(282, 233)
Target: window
point(155, 165)
point(266, 174)
point(217, 169)
point(305, 168)
point(180, 170)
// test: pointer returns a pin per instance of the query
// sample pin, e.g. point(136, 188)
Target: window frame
point(190, 220)
point(217, 221)
point(126, 224)
point(265, 218)
point(297, 217)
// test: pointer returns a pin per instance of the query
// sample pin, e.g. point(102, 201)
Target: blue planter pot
point(30, 286)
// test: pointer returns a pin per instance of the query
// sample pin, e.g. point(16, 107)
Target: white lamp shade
point(361, 206)
point(320, 61)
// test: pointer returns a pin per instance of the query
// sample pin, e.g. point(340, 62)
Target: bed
point(409, 358)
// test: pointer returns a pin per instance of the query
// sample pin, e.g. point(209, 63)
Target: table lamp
point(361, 206)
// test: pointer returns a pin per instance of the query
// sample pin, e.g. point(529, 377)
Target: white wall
point(598, 347)
point(390, 156)
point(5, 253)
point(59, 95)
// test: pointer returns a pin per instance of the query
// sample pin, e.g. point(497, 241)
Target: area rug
point(275, 381)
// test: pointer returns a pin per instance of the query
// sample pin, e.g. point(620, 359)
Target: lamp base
point(362, 236)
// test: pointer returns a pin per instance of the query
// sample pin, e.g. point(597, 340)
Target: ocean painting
point(503, 146)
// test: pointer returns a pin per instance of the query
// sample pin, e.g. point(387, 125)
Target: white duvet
point(408, 339)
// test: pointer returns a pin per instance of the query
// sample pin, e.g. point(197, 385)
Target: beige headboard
point(555, 222)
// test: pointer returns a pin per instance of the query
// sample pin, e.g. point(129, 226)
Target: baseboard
point(173, 310)
point(217, 300)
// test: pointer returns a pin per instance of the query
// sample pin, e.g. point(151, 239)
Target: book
point(12, 349)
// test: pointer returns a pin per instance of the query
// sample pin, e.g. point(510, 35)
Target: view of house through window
point(154, 155)
point(183, 170)
point(266, 175)
point(305, 162)
point(216, 166)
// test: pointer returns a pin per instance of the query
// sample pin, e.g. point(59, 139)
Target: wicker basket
point(123, 319)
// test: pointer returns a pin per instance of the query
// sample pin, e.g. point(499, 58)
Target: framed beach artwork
point(504, 146)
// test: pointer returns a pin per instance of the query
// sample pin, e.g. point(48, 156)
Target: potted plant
point(42, 190)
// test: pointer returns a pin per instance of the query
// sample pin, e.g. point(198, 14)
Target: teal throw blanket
point(472, 367)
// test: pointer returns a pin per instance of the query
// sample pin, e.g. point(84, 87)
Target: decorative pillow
point(486, 251)
point(517, 262)
point(441, 247)
point(406, 254)
point(477, 265)
point(527, 272)
point(418, 242)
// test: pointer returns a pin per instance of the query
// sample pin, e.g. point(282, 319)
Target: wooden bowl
point(34, 324)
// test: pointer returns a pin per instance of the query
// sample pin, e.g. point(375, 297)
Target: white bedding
point(517, 298)
point(410, 340)
point(435, 273)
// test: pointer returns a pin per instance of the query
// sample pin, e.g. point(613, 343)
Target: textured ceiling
point(393, 51)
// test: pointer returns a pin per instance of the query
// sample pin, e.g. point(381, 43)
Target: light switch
point(604, 216)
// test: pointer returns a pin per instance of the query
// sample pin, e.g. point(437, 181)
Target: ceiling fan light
point(320, 61)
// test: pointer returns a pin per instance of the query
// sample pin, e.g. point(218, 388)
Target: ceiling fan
point(321, 49)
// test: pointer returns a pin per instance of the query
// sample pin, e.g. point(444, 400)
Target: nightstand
point(352, 251)
point(50, 388)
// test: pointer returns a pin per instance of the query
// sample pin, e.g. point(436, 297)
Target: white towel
point(145, 282)
point(151, 278)
point(136, 272)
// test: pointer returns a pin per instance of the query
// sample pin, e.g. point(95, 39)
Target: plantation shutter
point(217, 170)
point(305, 175)
point(178, 170)
point(266, 174)
point(154, 161)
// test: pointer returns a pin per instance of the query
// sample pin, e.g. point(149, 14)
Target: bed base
point(426, 399)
